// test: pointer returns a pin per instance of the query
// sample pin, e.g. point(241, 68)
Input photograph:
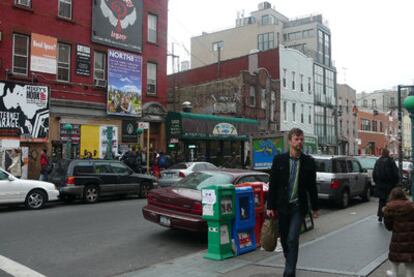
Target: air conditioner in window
point(151, 89)
point(23, 2)
point(100, 83)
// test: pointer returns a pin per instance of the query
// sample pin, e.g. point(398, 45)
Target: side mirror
point(11, 178)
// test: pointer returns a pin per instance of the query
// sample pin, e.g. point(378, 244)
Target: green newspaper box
point(218, 211)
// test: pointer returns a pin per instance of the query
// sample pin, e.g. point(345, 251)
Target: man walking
point(386, 177)
point(292, 180)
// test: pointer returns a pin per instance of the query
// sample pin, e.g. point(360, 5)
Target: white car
point(34, 194)
point(178, 171)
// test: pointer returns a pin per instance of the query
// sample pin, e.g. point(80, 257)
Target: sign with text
point(83, 60)
point(43, 54)
point(143, 125)
point(129, 131)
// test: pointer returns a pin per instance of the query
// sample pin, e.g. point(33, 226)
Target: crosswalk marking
point(17, 270)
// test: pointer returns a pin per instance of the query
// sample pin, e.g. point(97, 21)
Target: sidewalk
point(344, 243)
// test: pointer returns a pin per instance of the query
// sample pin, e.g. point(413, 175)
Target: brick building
point(76, 67)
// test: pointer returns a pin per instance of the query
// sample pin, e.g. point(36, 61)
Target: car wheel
point(344, 200)
point(145, 188)
point(35, 199)
point(366, 195)
point(91, 194)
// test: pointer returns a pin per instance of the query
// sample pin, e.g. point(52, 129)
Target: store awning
point(209, 127)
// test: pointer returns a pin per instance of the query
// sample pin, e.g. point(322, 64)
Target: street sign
point(143, 125)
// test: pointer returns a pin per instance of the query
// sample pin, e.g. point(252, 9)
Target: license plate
point(165, 221)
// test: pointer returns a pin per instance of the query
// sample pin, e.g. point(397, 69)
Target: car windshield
point(200, 180)
point(323, 165)
point(367, 163)
point(179, 166)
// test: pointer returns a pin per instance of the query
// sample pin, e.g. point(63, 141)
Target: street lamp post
point(139, 132)
point(109, 137)
point(68, 128)
point(409, 106)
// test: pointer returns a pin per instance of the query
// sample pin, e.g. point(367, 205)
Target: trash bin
point(218, 210)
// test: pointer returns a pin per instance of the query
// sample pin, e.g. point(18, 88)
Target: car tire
point(366, 195)
point(144, 189)
point(344, 200)
point(35, 199)
point(91, 194)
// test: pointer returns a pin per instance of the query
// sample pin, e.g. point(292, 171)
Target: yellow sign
point(90, 142)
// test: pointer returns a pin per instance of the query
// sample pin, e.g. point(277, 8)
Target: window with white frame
point(265, 41)
point(310, 115)
point(284, 111)
point(63, 64)
point(309, 85)
point(294, 112)
point(151, 78)
point(284, 77)
point(218, 45)
point(152, 28)
point(302, 110)
point(293, 80)
point(252, 97)
point(263, 99)
point(65, 8)
point(20, 54)
point(26, 3)
point(99, 66)
point(301, 82)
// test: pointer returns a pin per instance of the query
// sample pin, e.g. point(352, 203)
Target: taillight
point(70, 180)
point(197, 208)
point(181, 174)
point(335, 184)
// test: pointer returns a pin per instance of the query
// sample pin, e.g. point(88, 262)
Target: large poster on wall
point(24, 110)
point(124, 83)
point(264, 150)
point(43, 53)
point(118, 23)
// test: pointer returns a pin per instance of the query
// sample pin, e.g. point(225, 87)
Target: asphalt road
point(103, 239)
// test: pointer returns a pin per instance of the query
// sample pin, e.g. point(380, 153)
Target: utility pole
point(173, 57)
point(400, 158)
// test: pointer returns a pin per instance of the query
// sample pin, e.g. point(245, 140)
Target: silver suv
point(340, 178)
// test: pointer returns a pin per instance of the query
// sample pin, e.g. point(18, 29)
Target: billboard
point(124, 84)
point(118, 23)
point(264, 150)
point(43, 54)
point(24, 111)
point(83, 60)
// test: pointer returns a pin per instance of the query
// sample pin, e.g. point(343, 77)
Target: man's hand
point(271, 213)
point(315, 214)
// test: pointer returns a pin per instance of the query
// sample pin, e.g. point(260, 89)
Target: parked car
point(179, 205)
point(34, 194)
point(340, 178)
point(178, 171)
point(91, 179)
point(367, 163)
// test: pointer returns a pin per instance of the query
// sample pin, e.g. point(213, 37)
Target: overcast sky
point(372, 40)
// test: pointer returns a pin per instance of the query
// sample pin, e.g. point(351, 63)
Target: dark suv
point(90, 179)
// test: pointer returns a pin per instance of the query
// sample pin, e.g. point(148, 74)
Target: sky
point(372, 40)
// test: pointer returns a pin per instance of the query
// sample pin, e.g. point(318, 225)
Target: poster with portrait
point(124, 84)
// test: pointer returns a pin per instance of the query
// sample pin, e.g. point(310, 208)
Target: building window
point(284, 77)
point(99, 66)
point(284, 111)
point(265, 19)
point(365, 103)
point(308, 33)
point(392, 102)
point(272, 106)
point(309, 85)
point(218, 45)
point(152, 28)
point(26, 3)
point(20, 54)
point(293, 80)
point(151, 78)
point(263, 99)
point(301, 82)
point(347, 105)
point(65, 9)
point(302, 120)
point(63, 70)
point(365, 125)
point(374, 126)
point(374, 103)
point(265, 41)
point(252, 97)
point(294, 112)
point(381, 127)
point(310, 115)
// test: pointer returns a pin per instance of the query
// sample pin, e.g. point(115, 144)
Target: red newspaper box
point(259, 204)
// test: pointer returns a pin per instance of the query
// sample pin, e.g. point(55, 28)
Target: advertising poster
point(124, 84)
point(83, 60)
point(118, 23)
point(264, 149)
point(24, 111)
point(43, 54)
point(90, 142)
point(104, 141)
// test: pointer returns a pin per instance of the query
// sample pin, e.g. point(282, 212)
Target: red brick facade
point(372, 139)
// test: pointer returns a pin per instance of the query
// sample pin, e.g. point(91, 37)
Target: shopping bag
point(269, 234)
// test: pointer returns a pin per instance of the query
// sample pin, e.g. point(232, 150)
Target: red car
point(179, 206)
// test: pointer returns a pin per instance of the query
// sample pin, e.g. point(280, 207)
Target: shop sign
point(24, 110)
point(43, 54)
point(129, 131)
point(118, 23)
point(225, 129)
point(83, 60)
point(175, 128)
point(143, 125)
point(74, 134)
point(124, 84)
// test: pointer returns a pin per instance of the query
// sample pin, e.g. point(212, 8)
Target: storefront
point(203, 137)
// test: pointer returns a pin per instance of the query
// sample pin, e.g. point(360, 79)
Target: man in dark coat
point(292, 180)
point(386, 177)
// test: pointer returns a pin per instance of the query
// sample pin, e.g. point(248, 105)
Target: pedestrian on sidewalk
point(292, 184)
point(44, 166)
point(399, 218)
point(386, 178)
